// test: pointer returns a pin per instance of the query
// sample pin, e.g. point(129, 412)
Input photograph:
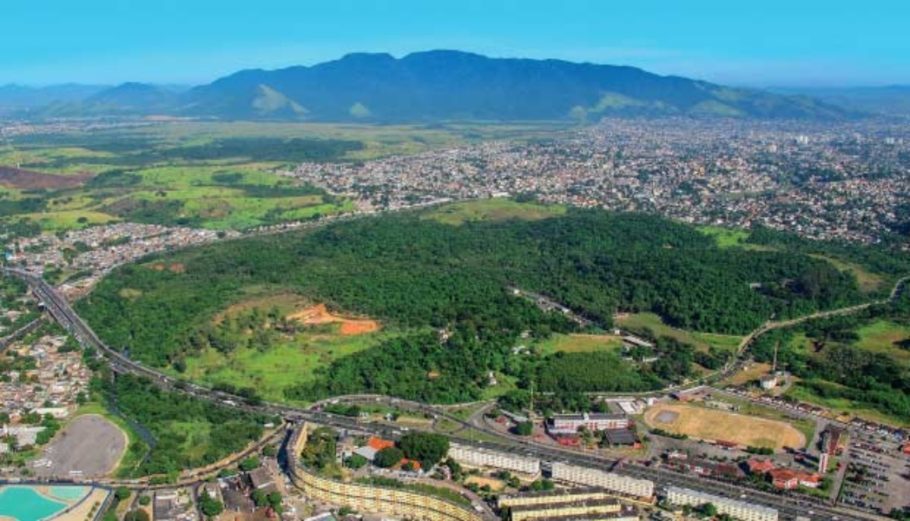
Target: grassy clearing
point(725, 237)
point(868, 282)
point(493, 210)
point(578, 343)
point(653, 322)
point(69, 219)
point(280, 367)
point(882, 337)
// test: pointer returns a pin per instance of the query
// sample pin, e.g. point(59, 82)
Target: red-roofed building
point(787, 479)
point(378, 444)
point(784, 479)
point(759, 466)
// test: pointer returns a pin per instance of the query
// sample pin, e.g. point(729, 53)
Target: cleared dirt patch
point(90, 447)
point(29, 179)
point(715, 425)
point(174, 267)
point(319, 314)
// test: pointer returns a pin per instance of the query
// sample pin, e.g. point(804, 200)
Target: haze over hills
point(888, 100)
point(447, 85)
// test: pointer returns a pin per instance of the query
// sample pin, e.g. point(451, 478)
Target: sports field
point(716, 425)
point(579, 343)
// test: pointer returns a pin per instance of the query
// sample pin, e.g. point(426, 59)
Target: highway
point(790, 506)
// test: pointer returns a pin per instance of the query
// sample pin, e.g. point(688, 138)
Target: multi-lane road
point(789, 506)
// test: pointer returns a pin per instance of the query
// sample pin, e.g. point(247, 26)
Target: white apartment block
point(476, 457)
point(734, 508)
point(597, 478)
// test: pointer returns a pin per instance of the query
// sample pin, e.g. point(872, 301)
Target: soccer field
point(717, 425)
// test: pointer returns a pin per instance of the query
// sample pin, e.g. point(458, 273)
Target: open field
point(579, 343)
point(868, 281)
point(493, 210)
point(882, 337)
point(652, 322)
point(717, 425)
point(753, 373)
point(90, 445)
point(725, 237)
point(281, 366)
point(136, 448)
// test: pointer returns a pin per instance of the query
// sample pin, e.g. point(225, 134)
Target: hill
point(888, 100)
point(418, 276)
point(23, 98)
point(447, 85)
point(440, 85)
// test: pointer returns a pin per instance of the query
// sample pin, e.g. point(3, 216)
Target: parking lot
point(877, 475)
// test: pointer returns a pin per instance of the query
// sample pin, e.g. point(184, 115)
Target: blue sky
point(741, 42)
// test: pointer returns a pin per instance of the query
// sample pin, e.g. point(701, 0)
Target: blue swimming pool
point(26, 504)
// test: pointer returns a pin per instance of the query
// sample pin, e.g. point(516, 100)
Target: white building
point(597, 478)
point(734, 508)
point(570, 423)
point(476, 457)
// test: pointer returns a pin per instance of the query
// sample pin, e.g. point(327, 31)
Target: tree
point(708, 509)
point(136, 515)
point(355, 461)
point(427, 448)
point(122, 493)
point(210, 506)
point(524, 428)
point(145, 500)
point(388, 457)
point(250, 463)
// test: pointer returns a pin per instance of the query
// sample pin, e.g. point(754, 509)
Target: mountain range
point(437, 86)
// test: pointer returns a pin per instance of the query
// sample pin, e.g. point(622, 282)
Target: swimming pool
point(26, 504)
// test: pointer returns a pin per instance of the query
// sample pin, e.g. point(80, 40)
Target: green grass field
point(280, 367)
point(701, 341)
point(578, 343)
point(881, 336)
point(499, 209)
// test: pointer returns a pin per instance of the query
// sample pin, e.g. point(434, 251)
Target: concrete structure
point(736, 509)
point(562, 424)
point(576, 509)
point(553, 496)
point(369, 498)
point(639, 488)
point(476, 457)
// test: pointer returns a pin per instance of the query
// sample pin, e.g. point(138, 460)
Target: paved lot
point(90, 444)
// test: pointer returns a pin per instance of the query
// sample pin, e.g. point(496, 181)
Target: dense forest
point(421, 275)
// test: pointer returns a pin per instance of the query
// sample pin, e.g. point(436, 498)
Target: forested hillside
point(420, 275)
